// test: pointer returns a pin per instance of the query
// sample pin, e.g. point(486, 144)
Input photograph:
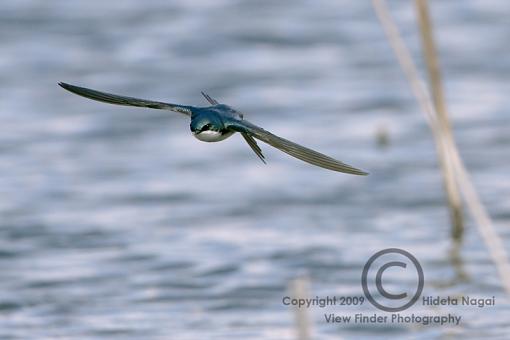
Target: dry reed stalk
point(436, 88)
point(299, 289)
point(446, 145)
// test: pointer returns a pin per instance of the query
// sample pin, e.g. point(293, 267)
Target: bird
point(218, 122)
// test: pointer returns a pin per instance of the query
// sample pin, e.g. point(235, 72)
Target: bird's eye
point(206, 127)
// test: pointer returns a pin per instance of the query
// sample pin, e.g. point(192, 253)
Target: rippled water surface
point(116, 222)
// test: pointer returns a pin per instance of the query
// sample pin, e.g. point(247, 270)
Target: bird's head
point(203, 124)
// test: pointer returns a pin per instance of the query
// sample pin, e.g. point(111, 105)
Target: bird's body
point(219, 121)
point(208, 123)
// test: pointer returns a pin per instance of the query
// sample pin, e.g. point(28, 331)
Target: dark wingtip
point(352, 170)
point(360, 172)
point(64, 85)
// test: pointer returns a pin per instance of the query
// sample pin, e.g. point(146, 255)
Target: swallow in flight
point(217, 122)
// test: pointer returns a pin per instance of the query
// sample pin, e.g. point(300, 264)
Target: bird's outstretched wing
point(291, 148)
point(123, 100)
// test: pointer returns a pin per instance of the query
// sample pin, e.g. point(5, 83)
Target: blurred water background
point(115, 222)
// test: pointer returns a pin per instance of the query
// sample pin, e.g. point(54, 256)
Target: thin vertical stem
point(436, 88)
point(299, 289)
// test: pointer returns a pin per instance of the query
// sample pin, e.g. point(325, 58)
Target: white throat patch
point(212, 136)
